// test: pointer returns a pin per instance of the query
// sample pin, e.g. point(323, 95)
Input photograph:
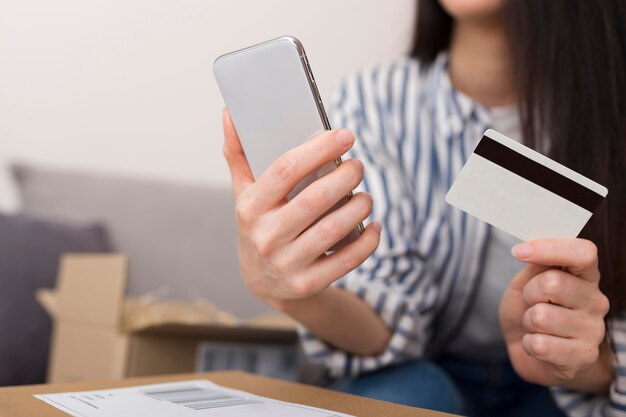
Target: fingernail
point(344, 137)
point(360, 165)
point(377, 226)
point(522, 250)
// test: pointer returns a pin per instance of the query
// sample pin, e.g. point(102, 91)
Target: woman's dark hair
point(570, 61)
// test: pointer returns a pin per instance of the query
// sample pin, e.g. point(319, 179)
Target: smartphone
point(270, 92)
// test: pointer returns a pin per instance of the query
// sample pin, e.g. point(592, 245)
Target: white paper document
point(195, 398)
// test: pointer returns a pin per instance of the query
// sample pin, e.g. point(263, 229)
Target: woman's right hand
point(283, 258)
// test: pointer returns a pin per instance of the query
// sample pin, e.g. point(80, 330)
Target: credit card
point(523, 192)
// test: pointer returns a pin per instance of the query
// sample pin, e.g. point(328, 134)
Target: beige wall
point(125, 86)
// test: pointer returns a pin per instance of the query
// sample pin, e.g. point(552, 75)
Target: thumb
point(240, 172)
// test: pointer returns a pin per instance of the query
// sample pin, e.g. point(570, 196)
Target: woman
point(441, 315)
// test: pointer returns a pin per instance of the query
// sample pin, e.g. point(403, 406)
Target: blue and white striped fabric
point(414, 133)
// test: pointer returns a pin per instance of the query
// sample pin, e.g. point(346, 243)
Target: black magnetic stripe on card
point(537, 173)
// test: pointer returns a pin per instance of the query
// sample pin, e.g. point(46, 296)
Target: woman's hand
point(282, 257)
point(552, 315)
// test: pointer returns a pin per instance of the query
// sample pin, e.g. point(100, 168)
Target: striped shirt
point(414, 133)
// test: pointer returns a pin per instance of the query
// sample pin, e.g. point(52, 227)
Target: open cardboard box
point(99, 334)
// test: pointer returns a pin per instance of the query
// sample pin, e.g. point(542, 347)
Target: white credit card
point(523, 192)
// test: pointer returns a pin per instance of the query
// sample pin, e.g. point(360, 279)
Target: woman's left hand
point(552, 314)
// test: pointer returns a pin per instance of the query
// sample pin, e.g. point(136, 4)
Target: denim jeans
point(457, 386)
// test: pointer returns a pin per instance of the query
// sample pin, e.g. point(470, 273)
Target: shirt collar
point(452, 110)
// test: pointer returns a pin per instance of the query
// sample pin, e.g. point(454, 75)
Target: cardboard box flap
point(140, 315)
point(47, 298)
point(91, 288)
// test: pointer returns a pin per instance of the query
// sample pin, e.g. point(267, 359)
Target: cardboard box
point(99, 334)
point(19, 401)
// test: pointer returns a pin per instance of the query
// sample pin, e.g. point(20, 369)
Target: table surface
point(19, 401)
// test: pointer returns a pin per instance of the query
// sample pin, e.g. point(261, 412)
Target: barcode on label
point(197, 398)
point(219, 359)
point(276, 361)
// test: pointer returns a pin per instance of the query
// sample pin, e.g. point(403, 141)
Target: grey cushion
point(177, 235)
point(29, 254)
